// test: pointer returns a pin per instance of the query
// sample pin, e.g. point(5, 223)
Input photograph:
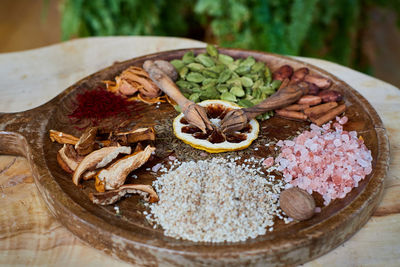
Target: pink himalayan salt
point(268, 162)
point(330, 162)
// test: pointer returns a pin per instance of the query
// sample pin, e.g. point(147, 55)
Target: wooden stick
point(320, 109)
point(296, 107)
point(330, 115)
point(311, 100)
point(291, 114)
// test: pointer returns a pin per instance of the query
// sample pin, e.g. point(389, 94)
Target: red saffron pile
point(100, 104)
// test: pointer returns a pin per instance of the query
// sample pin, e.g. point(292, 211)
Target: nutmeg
point(297, 203)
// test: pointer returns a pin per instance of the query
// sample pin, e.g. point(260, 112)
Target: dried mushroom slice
point(134, 136)
point(98, 159)
point(68, 158)
point(63, 138)
point(86, 142)
point(110, 197)
point(115, 175)
point(213, 141)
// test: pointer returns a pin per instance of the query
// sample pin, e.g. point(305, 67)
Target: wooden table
point(29, 235)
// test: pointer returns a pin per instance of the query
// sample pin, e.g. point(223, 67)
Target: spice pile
point(89, 157)
point(319, 105)
point(330, 162)
point(216, 200)
point(99, 104)
point(213, 75)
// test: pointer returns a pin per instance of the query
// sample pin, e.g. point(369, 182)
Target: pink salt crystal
point(203, 154)
point(268, 162)
point(330, 162)
point(317, 210)
point(172, 158)
point(343, 120)
point(156, 167)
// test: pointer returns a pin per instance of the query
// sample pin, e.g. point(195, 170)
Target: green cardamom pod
point(238, 61)
point(224, 76)
point(258, 83)
point(228, 97)
point(235, 75)
point(267, 75)
point(234, 81)
point(256, 93)
point(237, 91)
point(210, 80)
point(253, 76)
point(267, 89)
point(218, 68)
point(209, 93)
point(183, 72)
point(196, 89)
point(178, 64)
point(225, 59)
point(241, 70)
point(275, 84)
point(194, 77)
point(188, 57)
point(248, 91)
point(232, 67)
point(195, 66)
point(257, 67)
point(222, 88)
point(249, 61)
point(256, 101)
point(246, 82)
point(195, 97)
point(209, 74)
point(209, 85)
point(205, 60)
point(245, 103)
point(212, 50)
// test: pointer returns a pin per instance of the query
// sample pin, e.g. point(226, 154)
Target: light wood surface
point(30, 236)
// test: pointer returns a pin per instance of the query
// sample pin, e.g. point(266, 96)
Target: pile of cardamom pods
point(213, 75)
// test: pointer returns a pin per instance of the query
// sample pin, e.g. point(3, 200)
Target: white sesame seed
point(215, 200)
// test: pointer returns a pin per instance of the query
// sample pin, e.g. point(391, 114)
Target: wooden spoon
point(194, 114)
point(237, 119)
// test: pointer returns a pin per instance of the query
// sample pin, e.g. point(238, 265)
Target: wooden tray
point(129, 236)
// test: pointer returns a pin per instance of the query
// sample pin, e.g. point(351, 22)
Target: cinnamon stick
point(311, 100)
point(297, 107)
point(330, 115)
point(316, 111)
point(291, 114)
point(299, 75)
point(319, 81)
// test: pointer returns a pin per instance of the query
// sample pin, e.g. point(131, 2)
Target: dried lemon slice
point(213, 141)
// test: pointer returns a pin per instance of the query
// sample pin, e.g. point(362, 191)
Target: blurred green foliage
point(329, 29)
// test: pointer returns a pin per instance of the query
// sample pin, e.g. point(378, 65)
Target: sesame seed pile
point(216, 200)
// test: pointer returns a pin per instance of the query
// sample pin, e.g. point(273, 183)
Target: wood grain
point(22, 118)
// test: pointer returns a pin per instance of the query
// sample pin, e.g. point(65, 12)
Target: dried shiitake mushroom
point(98, 159)
point(112, 196)
point(115, 175)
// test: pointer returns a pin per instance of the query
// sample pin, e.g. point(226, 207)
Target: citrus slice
point(213, 141)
